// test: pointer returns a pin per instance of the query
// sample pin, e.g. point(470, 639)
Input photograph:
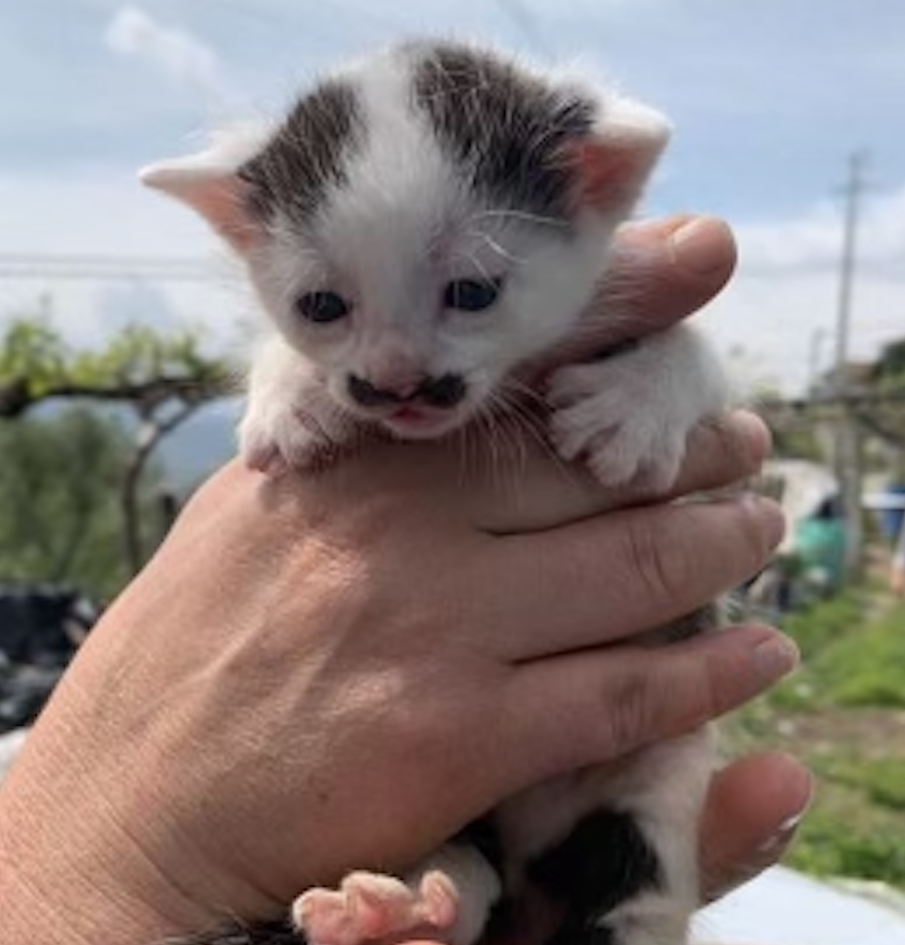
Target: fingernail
point(787, 828)
point(770, 515)
point(701, 246)
point(756, 435)
point(776, 657)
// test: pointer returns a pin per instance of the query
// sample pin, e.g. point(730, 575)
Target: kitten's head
point(422, 223)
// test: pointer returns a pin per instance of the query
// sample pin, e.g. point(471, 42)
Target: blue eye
point(323, 307)
point(472, 295)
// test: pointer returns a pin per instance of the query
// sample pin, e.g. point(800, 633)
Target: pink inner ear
point(610, 173)
point(221, 202)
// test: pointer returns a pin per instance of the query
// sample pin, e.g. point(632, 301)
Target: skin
point(300, 644)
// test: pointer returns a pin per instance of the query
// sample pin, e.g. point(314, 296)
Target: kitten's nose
point(444, 391)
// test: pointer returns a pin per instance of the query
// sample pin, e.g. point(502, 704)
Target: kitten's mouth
point(421, 422)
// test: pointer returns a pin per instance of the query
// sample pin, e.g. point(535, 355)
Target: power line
point(102, 268)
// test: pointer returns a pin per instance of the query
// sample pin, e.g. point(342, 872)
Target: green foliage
point(889, 369)
point(847, 661)
point(32, 350)
point(825, 623)
point(842, 714)
point(885, 781)
point(829, 847)
point(138, 354)
point(60, 488)
point(34, 355)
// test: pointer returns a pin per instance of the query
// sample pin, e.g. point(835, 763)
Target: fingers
point(684, 261)
point(752, 811)
point(722, 453)
point(625, 572)
point(584, 708)
point(546, 494)
point(660, 272)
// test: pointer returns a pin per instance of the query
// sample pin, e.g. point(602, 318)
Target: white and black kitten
point(419, 228)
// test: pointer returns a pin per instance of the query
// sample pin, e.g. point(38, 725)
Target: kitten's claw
point(605, 415)
point(275, 442)
point(265, 458)
point(372, 907)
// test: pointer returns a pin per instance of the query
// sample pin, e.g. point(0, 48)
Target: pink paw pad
point(372, 907)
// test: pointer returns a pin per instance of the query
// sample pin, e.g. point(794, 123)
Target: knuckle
point(632, 711)
point(661, 697)
point(661, 563)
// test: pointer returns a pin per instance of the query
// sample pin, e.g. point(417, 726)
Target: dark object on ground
point(23, 692)
point(41, 627)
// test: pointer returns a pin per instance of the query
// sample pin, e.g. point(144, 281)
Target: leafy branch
point(163, 378)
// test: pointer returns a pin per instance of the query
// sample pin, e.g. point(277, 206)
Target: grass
point(843, 713)
point(867, 667)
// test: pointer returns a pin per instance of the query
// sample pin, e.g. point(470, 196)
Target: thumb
point(659, 272)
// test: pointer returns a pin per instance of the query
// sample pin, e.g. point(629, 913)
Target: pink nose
point(371, 393)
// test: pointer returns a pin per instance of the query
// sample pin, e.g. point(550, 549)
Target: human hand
point(342, 670)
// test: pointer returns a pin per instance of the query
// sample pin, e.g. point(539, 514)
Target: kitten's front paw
point(273, 441)
point(614, 418)
point(375, 908)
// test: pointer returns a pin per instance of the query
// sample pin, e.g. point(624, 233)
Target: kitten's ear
point(209, 183)
point(615, 163)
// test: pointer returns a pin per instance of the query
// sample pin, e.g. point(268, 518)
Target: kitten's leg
point(631, 413)
point(628, 872)
point(447, 898)
point(290, 420)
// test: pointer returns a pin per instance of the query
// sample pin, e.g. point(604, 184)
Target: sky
point(770, 101)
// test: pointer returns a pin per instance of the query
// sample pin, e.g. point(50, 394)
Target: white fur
point(388, 240)
point(630, 415)
point(393, 237)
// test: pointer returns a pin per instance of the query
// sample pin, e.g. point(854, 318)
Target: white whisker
point(521, 216)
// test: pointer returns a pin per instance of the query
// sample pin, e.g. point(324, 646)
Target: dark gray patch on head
point(504, 125)
point(307, 155)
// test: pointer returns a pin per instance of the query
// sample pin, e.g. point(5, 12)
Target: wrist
point(69, 873)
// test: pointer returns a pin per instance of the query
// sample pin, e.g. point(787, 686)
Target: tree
point(60, 518)
point(162, 378)
point(885, 415)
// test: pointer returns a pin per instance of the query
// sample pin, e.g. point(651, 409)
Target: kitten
point(419, 228)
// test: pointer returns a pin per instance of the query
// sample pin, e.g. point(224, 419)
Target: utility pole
point(853, 191)
point(847, 445)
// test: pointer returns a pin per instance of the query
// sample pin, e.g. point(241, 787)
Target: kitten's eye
point(472, 295)
point(323, 307)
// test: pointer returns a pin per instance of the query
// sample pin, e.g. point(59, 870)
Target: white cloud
point(815, 238)
point(779, 314)
point(175, 52)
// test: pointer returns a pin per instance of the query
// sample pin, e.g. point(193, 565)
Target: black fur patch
point(484, 836)
point(604, 861)
point(307, 154)
point(506, 126)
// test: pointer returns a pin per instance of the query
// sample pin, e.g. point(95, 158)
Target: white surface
point(782, 907)
point(10, 743)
